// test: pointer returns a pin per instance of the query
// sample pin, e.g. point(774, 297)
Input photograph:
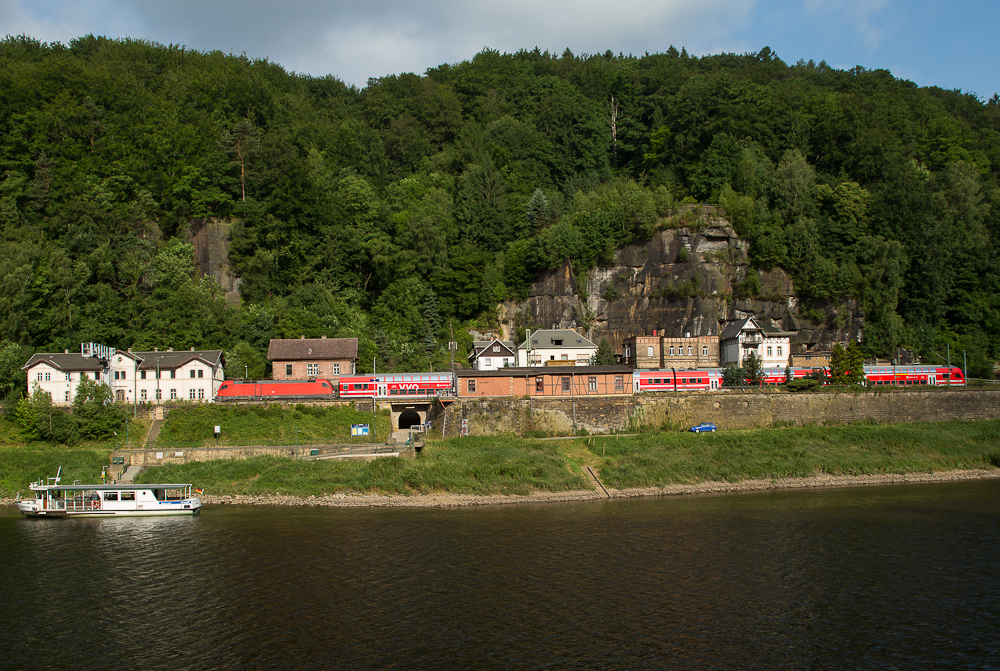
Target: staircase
point(154, 432)
point(129, 475)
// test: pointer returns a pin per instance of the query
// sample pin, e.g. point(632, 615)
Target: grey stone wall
point(729, 410)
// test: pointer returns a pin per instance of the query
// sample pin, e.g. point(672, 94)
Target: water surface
point(902, 576)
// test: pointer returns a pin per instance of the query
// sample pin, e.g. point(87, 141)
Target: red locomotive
point(279, 390)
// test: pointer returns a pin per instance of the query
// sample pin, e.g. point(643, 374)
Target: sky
point(929, 42)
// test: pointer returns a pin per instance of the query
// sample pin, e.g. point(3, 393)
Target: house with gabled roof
point(556, 347)
point(303, 358)
point(492, 354)
point(133, 377)
point(771, 345)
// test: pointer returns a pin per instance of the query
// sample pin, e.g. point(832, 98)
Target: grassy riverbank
point(517, 466)
point(509, 465)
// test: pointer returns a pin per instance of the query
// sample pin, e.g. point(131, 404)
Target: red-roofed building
point(303, 358)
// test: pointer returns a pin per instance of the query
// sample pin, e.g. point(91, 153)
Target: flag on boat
point(199, 491)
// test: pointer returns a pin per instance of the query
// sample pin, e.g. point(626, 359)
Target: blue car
point(704, 426)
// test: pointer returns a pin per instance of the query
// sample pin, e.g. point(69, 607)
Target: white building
point(492, 355)
point(556, 347)
point(143, 377)
point(771, 345)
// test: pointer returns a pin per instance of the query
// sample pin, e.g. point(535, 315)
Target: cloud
point(866, 18)
point(357, 40)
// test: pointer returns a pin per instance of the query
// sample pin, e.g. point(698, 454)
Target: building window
point(142, 395)
point(123, 375)
point(592, 381)
point(201, 373)
point(201, 393)
point(336, 369)
point(649, 350)
point(173, 374)
point(192, 375)
point(142, 375)
point(496, 348)
point(779, 350)
point(539, 385)
point(671, 351)
point(159, 395)
point(564, 357)
point(39, 377)
point(191, 394)
point(288, 370)
point(312, 369)
point(48, 377)
point(689, 350)
point(619, 383)
point(472, 385)
point(565, 384)
point(704, 350)
point(486, 361)
point(173, 394)
point(769, 353)
point(69, 376)
point(67, 395)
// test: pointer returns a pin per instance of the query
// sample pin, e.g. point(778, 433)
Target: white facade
point(493, 355)
point(133, 377)
point(556, 347)
point(772, 347)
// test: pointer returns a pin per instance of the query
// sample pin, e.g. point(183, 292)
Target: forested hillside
point(385, 213)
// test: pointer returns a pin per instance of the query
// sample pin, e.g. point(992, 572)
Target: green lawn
point(510, 465)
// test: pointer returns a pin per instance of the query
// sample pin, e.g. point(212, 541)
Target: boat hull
point(108, 513)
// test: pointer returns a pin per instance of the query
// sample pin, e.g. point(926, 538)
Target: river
point(890, 577)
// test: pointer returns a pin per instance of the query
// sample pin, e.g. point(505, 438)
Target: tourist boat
point(52, 499)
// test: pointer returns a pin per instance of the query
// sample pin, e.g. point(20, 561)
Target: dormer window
point(557, 343)
point(496, 348)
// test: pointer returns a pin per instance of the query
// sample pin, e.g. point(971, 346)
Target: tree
point(753, 370)
point(95, 412)
point(605, 355)
point(733, 376)
point(847, 364)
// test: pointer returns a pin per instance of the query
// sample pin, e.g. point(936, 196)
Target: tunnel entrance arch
point(408, 418)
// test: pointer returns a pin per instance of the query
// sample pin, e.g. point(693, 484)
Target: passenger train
point(392, 385)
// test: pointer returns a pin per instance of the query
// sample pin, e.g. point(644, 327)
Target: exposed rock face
point(680, 283)
point(210, 238)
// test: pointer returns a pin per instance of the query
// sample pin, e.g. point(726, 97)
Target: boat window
point(128, 496)
point(110, 496)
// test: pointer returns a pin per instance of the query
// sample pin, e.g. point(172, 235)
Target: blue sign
point(359, 429)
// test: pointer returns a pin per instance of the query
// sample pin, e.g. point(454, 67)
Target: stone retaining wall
point(728, 409)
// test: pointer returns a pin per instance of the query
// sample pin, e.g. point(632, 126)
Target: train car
point(358, 386)
point(277, 390)
point(706, 379)
point(414, 384)
point(907, 376)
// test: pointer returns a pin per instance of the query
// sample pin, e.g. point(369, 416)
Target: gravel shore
point(446, 500)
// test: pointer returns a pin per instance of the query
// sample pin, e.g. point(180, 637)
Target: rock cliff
point(684, 281)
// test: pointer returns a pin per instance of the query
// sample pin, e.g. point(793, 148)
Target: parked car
point(704, 426)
